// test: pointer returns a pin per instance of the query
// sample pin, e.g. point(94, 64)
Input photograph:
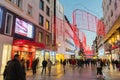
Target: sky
point(91, 6)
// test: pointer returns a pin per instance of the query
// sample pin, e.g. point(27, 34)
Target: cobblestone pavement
point(87, 73)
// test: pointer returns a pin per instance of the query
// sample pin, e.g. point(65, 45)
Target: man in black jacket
point(44, 65)
point(14, 70)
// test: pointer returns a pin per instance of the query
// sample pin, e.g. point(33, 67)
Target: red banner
point(100, 28)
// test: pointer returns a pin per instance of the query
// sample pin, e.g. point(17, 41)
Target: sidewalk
point(1, 77)
point(88, 73)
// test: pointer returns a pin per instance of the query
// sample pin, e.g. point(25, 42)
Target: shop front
point(5, 50)
point(59, 57)
point(53, 56)
point(50, 55)
point(43, 54)
point(113, 47)
point(40, 55)
point(26, 49)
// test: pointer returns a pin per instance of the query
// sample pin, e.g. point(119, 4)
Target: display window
point(26, 56)
point(40, 55)
point(47, 55)
point(6, 56)
point(52, 57)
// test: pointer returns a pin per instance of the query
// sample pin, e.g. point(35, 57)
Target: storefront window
point(40, 36)
point(40, 55)
point(52, 57)
point(47, 55)
point(6, 55)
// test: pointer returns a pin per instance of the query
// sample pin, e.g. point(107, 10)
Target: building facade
point(63, 35)
point(25, 29)
point(111, 15)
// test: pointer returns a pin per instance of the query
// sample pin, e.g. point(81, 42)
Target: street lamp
point(59, 44)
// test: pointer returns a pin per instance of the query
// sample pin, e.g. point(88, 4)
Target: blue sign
point(1, 12)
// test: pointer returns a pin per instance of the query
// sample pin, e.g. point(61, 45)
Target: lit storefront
point(42, 54)
point(114, 47)
point(60, 57)
point(5, 50)
point(5, 40)
point(27, 49)
point(52, 56)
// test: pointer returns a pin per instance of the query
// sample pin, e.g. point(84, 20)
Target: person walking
point(64, 64)
point(73, 63)
point(44, 65)
point(49, 65)
point(108, 64)
point(34, 65)
point(27, 64)
point(23, 69)
point(5, 70)
point(113, 63)
point(99, 69)
point(14, 69)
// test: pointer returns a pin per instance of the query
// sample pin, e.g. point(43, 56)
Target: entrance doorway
point(27, 56)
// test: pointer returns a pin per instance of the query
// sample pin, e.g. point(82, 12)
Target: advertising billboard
point(1, 12)
point(24, 28)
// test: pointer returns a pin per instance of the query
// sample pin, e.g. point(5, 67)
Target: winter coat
point(14, 71)
point(44, 63)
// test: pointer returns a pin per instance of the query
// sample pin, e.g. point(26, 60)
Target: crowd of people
point(15, 69)
point(98, 63)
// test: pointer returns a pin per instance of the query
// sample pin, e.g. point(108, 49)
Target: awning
point(114, 47)
point(28, 43)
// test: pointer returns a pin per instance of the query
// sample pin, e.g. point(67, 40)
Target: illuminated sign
point(23, 28)
point(1, 12)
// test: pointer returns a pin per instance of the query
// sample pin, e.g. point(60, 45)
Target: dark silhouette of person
point(27, 64)
point(64, 64)
point(14, 70)
point(44, 65)
point(23, 69)
point(5, 70)
point(34, 65)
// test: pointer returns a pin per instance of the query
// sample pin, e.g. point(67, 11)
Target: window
point(111, 13)
point(41, 20)
point(41, 5)
point(8, 24)
point(115, 5)
point(40, 36)
point(107, 7)
point(47, 10)
point(110, 2)
point(17, 2)
point(48, 0)
point(47, 24)
point(47, 40)
point(29, 11)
